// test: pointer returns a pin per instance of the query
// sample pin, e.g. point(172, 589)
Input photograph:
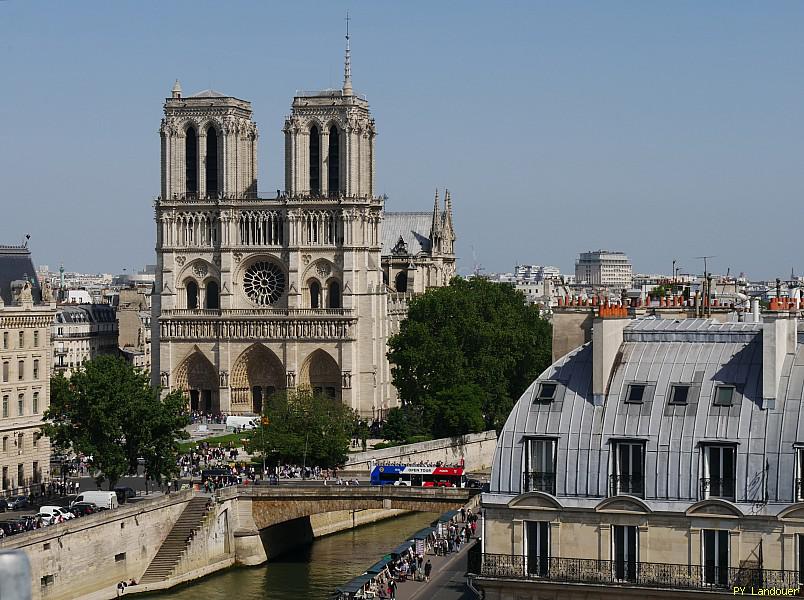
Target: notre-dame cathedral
point(302, 287)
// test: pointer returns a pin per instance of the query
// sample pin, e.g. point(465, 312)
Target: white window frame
point(615, 462)
point(717, 553)
point(525, 543)
point(548, 458)
point(706, 468)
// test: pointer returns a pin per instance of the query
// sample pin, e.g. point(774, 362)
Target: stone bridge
point(267, 516)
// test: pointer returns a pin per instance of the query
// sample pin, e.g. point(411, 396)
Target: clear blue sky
point(663, 129)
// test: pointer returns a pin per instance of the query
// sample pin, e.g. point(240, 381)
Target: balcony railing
point(628, 484)
point(540, 481)
point(717, 487)
point(632, 573)
point(267, 312)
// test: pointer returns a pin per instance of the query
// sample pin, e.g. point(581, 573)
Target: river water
point(310, 573)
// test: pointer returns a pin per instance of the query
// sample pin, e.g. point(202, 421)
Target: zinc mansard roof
point(16, 264)
point(658, 354)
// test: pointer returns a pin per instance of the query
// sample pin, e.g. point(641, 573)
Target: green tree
point(109, 411)
point(470, 332)
point(403, 422)
point(304, 427)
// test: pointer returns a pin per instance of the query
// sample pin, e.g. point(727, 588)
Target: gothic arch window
point(401, 281)
point(315, 161)
point(334, 296)
point(197, 378)
point(211, 166)
point(315, 294)
point(191, 288)
point(213, 295)
point(191, 161)
point(334, 162)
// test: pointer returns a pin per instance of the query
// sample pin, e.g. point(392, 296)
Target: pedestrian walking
point(428, 568)
point(392, 588)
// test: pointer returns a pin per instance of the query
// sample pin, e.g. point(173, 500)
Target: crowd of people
point(207, 418)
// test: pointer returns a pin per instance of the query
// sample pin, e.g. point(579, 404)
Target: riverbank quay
point(413, 565)
point(173, 539)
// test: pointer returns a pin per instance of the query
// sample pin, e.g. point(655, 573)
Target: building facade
point(255, 295)
point(26, 316)
point(82, 332)
point(664, 458)
point(604, 268)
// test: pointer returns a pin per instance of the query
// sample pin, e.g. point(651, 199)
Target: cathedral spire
point(347, 64)
point(435, 228)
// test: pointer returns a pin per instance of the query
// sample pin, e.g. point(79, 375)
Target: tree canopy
point(303, 427)
point(464, 354)
point(108, 410)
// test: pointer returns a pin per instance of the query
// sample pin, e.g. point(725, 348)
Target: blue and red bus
point(418, 475)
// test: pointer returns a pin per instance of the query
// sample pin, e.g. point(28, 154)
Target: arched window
point(212, 162)
point(315, 294)
point(212, 296)
point(401, 281)
point(334, 162)
point(334, 295)
point(191, 161)
point(315, 161)
point(192, 294)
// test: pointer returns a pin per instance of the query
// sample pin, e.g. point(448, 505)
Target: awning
point(448, 516)
point(379, 566)
point(402, 548)
point(423, 534)
point(355, 584)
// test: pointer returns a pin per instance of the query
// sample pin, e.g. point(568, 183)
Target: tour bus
point(418, 475)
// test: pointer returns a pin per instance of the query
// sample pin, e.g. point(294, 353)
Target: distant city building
point(26, 314)
point(536, 273)
point(82, 332)
point(604, 268)
point(134, 320)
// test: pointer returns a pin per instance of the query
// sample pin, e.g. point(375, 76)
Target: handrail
point(633, 573)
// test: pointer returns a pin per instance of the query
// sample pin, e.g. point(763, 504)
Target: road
point(448, 580)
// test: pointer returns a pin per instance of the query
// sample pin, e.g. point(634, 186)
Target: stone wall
point(476, 449)
point(97, 551)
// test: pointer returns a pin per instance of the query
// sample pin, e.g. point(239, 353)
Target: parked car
point(124, 494)
point(18, 503)
point(102, 498)
point(13, 526)
point(46, 518)
point(57, 511)
point(81, 509)
point(3, 505)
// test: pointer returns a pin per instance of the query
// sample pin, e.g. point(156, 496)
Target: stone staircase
point(177, 541)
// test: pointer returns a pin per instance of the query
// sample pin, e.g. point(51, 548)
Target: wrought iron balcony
point(722, 487)
point(632, 573)
point(633, 485)
point(540, 481)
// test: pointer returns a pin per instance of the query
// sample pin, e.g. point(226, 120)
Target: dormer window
point(547, 391)
point(719, 472)
point(724, 395)
point(679, 393)
point(540, 466)
point(636, 393)
point(799, 483)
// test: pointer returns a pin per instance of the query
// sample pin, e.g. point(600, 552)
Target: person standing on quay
point(428, 568)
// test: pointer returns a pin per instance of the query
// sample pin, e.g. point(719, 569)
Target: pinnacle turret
point(435, 227)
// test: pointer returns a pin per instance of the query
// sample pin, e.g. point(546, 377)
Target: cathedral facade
point(257, 294)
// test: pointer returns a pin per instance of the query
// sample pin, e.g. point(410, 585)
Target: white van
point(100, 498)
point(241, 423)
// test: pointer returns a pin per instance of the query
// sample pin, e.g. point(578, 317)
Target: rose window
point(264, 283)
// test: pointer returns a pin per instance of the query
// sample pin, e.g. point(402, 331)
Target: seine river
point(311, 573)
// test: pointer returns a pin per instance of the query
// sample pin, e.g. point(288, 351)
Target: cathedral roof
point(209, 94)
point(16, 264)
point(412, 227)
